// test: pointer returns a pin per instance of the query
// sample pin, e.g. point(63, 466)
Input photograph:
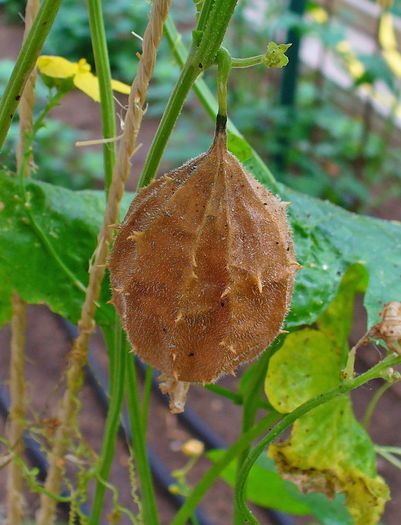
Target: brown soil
point(166, 434)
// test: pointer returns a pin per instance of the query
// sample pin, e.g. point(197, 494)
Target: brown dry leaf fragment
point(211, 215)
point(177, 391)
point(389, 326)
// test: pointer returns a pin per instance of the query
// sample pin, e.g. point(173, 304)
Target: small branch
point(15, 498)
point(78, 354)
point(17, 411)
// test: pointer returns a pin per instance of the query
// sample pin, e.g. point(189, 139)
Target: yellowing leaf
point(120, 87)
point(295, 371)
point(310, 360)
point(329, 452)
point(89, 84)
point(56, 67)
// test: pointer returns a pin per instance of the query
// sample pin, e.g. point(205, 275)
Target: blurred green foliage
point(315, 147)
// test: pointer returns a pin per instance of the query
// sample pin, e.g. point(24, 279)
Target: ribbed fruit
point(202, 268)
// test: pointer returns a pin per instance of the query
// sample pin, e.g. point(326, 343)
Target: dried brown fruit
point(202, 269)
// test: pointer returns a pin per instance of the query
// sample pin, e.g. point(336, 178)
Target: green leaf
point(329, 451)
point(71, 221)
point(266, 488)
point(328, 241)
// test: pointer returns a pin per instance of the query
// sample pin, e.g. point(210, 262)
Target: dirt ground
point(166, 434)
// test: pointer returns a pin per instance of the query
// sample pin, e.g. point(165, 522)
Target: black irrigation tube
point(189, 419)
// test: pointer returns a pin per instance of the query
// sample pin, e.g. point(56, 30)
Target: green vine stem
point(250, 407)
point(150, 516)
point(25, 64)
point(223, 72)
point(207, 38)
point(116, 354)
point(147, 390)
point(116, 366)
point(102, 64)
point(344, 388)
point(206, 97)
point(247, 62)
point(213, 473)
point(373, 403)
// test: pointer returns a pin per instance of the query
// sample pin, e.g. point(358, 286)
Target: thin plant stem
point(23, 166)
point(15, 497)
point(392, 450)
point(147, 389)
point(250, 407)
point(25, 64)
point(223, 72)
point(111, 428)
point(116, 368)
point(225, 392)
point(150, 516)
point(69, 406)
point(99, 46)
point(373, 403)
point(388, 456)
point(248, 62)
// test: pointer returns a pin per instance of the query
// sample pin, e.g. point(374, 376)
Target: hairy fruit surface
point(203, 267)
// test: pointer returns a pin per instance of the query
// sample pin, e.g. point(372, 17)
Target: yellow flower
point(80, 74)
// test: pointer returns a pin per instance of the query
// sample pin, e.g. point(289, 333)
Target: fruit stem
point(224, 62)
